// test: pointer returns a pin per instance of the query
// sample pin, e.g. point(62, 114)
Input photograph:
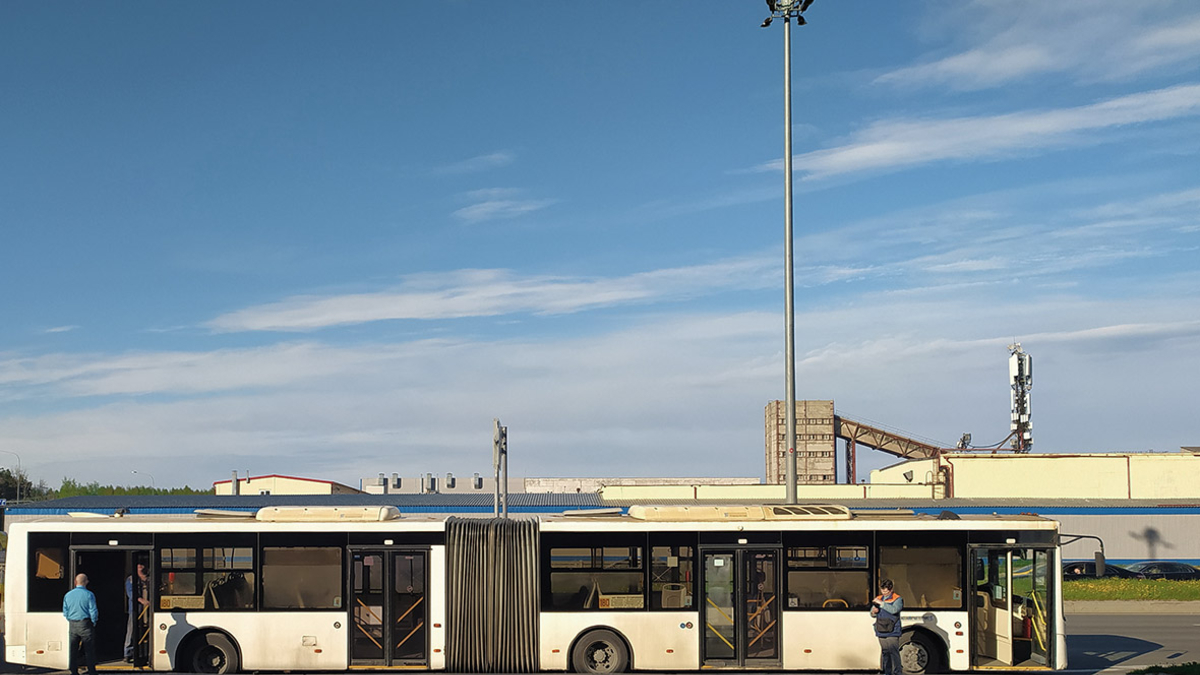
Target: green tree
point(15, 484)
point(72, 488)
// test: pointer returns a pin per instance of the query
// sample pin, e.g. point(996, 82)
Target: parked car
point(1158, 569)
point(1087, 570)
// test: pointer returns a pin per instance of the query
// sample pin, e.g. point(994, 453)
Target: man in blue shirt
point(79, 607)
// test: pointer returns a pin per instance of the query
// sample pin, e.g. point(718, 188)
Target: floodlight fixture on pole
point(788, 10)
point(144, 473)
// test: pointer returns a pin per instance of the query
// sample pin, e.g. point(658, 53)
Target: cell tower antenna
point(1020, 380)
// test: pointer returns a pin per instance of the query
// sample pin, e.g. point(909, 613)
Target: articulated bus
point(657, 588)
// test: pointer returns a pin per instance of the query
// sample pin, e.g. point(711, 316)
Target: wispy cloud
point(478, 163)
point(383, 406)
point(903, 143)
point(61, 329)
point(498, 203)
point(499, 209)
point(468, 293)
point(1002, 42)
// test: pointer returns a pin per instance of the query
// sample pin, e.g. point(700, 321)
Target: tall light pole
point(145, 473)
point(788, 10)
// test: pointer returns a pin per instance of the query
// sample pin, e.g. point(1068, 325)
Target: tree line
point(15, 485)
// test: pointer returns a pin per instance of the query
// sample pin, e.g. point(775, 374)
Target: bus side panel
point(45, 640)
point(941, 623)
point(267, 640)
point(1058, 617)
point(30, 638)
point(15, 572)
point(436, 594)
point(846, 640)
point(829, 641)
point(658, 640)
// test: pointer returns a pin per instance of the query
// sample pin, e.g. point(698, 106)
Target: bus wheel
point(211, 653)
point(600, 651)
point(920, 654)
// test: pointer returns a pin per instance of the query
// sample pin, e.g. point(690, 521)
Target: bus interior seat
point(983, 610)
point(672, 596)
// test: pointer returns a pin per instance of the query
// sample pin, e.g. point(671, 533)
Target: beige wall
point(763, 493)
point(282, 485)
point(1081, 476)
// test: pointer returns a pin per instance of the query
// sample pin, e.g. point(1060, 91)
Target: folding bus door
point(388, 607)
point(1012, 607)
point(741, 610)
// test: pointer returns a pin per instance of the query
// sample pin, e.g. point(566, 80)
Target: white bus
point(658, 588)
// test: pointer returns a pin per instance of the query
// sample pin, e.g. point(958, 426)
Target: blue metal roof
point(523, 502)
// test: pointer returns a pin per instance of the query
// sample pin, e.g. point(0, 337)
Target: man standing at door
point(137, 599)
point(79, 607)
point(886, 609)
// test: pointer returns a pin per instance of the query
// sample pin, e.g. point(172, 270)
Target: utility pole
point(500, 464)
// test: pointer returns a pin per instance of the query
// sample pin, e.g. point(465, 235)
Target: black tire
point(600, 651)
point(920, 654)
point(211, 653)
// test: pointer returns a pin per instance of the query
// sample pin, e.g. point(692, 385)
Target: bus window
point(671, 577)
point(596, 578)
point(302, 577)
point(48, 561)
point(216, 579)
point(926, 577)
point(828, 577)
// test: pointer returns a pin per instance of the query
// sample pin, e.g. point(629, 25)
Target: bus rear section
point(686, 591)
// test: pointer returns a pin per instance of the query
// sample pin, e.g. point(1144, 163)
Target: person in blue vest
point(886, 609)
point(79, 607)
point(137, 599)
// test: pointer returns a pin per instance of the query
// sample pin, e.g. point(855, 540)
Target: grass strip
point(1131, 589)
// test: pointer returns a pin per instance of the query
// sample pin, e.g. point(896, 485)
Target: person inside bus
point(136, 587)
point(886, 609)
point(79, 608)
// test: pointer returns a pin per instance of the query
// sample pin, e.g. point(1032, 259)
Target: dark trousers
point(82, 636)
point(889, 657)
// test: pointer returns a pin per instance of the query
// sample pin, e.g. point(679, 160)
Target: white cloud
point(479, 163)
point(498, 209)
point(997, 43)
point(467, 293)
point(670, 395)
point(904, 143)
point(61, 329)
point(498, 203)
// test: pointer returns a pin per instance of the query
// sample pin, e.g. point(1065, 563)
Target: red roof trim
point(276, 475)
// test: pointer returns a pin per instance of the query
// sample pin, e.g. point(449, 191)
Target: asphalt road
point(1117, 643)
point(1108, 644)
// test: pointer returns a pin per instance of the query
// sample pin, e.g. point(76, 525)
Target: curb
point(1132, 607)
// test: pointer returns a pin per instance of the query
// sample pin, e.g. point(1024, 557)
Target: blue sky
point(334, 239)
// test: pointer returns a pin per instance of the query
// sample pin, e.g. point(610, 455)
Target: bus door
point(108, 568)
point(1011, 607)
point(388, 607)
point(741, 608)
